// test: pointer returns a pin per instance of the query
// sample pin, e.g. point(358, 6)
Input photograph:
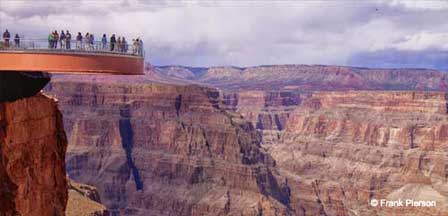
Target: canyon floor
point(267, 140)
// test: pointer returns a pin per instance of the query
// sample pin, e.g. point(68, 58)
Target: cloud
point(242, 33)
point(423, 41)
point(420, 5)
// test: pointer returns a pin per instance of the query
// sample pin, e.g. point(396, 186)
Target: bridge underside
point(70, 62)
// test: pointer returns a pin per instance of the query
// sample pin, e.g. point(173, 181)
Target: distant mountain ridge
point(309, 77)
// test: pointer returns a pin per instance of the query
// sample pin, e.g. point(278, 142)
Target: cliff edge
point(32, 148)
point(32, 155)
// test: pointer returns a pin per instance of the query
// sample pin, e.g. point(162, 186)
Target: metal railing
point(74, 46)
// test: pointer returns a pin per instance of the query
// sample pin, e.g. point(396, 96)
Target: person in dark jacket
point(62, 40)
point(112, 42)
point(79, 41)
point(68, 38)
point(92, 41)
point(124, 45)
point(17, 41)
point(6, 37)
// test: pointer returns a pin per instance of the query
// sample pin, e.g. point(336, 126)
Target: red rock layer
point(32, 154)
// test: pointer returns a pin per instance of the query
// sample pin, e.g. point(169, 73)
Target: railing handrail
point(46, 39)
point(85, 46)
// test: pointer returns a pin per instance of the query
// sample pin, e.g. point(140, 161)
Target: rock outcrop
point(84, 200)
point(32, 154)
point(159, 149)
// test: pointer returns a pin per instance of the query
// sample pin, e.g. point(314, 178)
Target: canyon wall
point(267, 111)
point(32, 154)
point(358, 146)
point(340, 149)
point(163, 149)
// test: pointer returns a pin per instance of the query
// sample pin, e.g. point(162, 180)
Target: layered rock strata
point(339, 150)
point(321, 152)
point(158, 149)
point(268, 111)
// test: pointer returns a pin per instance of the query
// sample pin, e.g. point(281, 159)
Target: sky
point(409, 34)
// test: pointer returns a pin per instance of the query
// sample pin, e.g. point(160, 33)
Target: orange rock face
point(32, 153)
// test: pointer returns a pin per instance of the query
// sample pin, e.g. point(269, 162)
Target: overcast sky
point(256, 32)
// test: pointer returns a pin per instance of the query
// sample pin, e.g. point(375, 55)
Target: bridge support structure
point(70, 62)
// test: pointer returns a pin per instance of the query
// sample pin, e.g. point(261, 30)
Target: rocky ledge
point(84, 200)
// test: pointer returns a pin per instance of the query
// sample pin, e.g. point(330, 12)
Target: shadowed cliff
point(17, 85)
point(32, 155)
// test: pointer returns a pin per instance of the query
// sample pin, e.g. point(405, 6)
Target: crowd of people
point(63, 40)
point(87, 42)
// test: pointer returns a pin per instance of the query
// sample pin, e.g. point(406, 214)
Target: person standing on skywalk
point(62, 40)
point(6, 37)
point(17, 41)
point(68, 38)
